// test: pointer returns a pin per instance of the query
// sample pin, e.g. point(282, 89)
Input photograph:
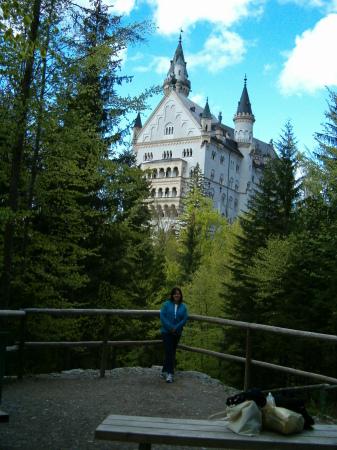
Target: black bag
point(253, 394)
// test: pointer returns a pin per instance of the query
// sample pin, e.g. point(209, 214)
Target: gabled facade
point(180, 134)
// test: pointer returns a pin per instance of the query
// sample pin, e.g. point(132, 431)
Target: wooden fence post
point(105, 344)
point(22, 345)
point(248, 360)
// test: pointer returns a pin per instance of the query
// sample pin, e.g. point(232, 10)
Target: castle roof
point(244, 106)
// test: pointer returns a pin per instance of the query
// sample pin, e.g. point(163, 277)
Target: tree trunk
point(16, 160)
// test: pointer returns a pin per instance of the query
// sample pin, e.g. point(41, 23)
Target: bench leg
point(144, 446)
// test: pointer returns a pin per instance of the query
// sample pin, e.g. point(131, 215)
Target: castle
point(179, 135)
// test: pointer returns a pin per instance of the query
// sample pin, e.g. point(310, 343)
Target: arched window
point(222, 160)
point(155, 174)
point(231, 183)
point(221, 178)
point(223, 199)
point(175, 172)
point(160, 192)
point(161, 173)
point(213, 154)
point(167, 192)
point(237, 186)
point(236, 204)
point(230, 202)
point(153, 193)
point(174, 192)
point(170, 153)
point(169, 128)
point(190, 152)
point(212, 174)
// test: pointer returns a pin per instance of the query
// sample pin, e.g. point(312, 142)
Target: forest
point(76, 231)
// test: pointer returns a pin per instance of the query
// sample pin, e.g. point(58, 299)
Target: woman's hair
point(173, 291)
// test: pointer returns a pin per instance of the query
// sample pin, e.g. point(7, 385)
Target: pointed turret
point(177, 77)
point(136, 127)
point(138, 122)
point(206, 124)
point(244, 118)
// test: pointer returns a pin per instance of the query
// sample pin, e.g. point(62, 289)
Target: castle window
point(174, 192)
point(161, 173)
point(212, 174)
point(187, 152)
point(231, 183)
point(236, 186)
point(222, 160)
point(160, 192)
point(169, 129)
point(223, 199)
point(248, 185)
point(190, 152)
point(154, 175)
point(221, 178)
point(230, 202)
point(232, 164)
point(213, 154)
point(167, 191)
point(237, 168)
point(236, 203)
point(153, 193)
point(175, 172)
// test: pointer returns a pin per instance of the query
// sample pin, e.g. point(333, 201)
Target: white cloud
point(312, 64)
point(170, 15)
point(159, 64)
point(220, 50)
point(122, 6)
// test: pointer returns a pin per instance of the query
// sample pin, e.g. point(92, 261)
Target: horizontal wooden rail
point(92, 312)
point(265, 328)
point(259, 364)
point(93, 344)
point(105, 343)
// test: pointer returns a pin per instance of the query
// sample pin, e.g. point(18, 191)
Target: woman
point(173, 316)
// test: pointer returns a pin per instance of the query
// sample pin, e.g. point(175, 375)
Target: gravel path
point(62, 411)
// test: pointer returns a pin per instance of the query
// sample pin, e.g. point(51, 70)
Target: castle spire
point(244, 118)
point(177, 77)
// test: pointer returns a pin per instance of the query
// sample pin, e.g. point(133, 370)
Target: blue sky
point(287, 49)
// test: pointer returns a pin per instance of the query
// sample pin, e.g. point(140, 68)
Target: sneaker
point(164, 374)
point(169, 378)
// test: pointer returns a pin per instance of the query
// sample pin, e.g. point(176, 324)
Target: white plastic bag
point(281, 419)
point(245, 418)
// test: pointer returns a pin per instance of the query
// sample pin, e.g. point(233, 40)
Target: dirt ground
point(62, 411)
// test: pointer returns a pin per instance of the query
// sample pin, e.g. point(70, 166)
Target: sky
point(285, 48)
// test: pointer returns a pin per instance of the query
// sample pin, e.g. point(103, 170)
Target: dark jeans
point(170, 342)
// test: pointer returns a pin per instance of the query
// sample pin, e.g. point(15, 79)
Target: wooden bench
point(207, 433)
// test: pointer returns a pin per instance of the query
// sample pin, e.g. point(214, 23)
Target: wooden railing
point(105, 343)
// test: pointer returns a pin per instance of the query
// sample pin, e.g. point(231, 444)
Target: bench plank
point(207, 433)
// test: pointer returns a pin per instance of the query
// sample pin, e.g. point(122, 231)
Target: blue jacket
point(168, 319)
